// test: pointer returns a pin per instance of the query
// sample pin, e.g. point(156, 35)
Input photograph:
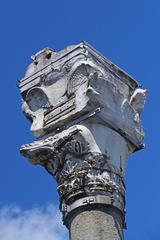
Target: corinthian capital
point(85, 114)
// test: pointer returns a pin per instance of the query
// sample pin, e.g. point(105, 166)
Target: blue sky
point(126, 32)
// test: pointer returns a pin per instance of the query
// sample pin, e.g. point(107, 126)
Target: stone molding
point(85, 114)
point(78, 166)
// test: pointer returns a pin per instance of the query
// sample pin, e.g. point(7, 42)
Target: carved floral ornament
point(85, 113)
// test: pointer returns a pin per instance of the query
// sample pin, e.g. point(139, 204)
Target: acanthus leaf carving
point(85, 114)
point(79, 169)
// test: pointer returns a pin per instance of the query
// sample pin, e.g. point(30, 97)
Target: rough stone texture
point(96, 225)
point(85, 114)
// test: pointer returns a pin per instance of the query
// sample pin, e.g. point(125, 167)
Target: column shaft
point(104, 224)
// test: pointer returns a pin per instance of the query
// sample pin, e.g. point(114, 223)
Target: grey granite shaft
point(96, 225)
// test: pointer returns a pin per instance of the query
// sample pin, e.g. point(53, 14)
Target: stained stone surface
point(96, 225)
point(85, 115)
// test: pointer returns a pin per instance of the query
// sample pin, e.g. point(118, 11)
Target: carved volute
point(85, 114)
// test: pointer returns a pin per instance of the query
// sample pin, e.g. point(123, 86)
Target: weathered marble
point(85, 114)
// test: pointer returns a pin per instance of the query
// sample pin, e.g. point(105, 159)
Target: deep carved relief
point(85, 113)
point(77, 164)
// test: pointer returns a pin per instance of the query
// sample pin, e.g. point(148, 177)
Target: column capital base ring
point(87, 202)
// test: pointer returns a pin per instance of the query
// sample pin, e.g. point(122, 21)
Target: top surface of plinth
point(47, 57)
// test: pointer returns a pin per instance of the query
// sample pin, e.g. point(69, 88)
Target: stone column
point(85, 114)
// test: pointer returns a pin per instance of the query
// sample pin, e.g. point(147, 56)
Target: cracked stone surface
point(85, 115)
